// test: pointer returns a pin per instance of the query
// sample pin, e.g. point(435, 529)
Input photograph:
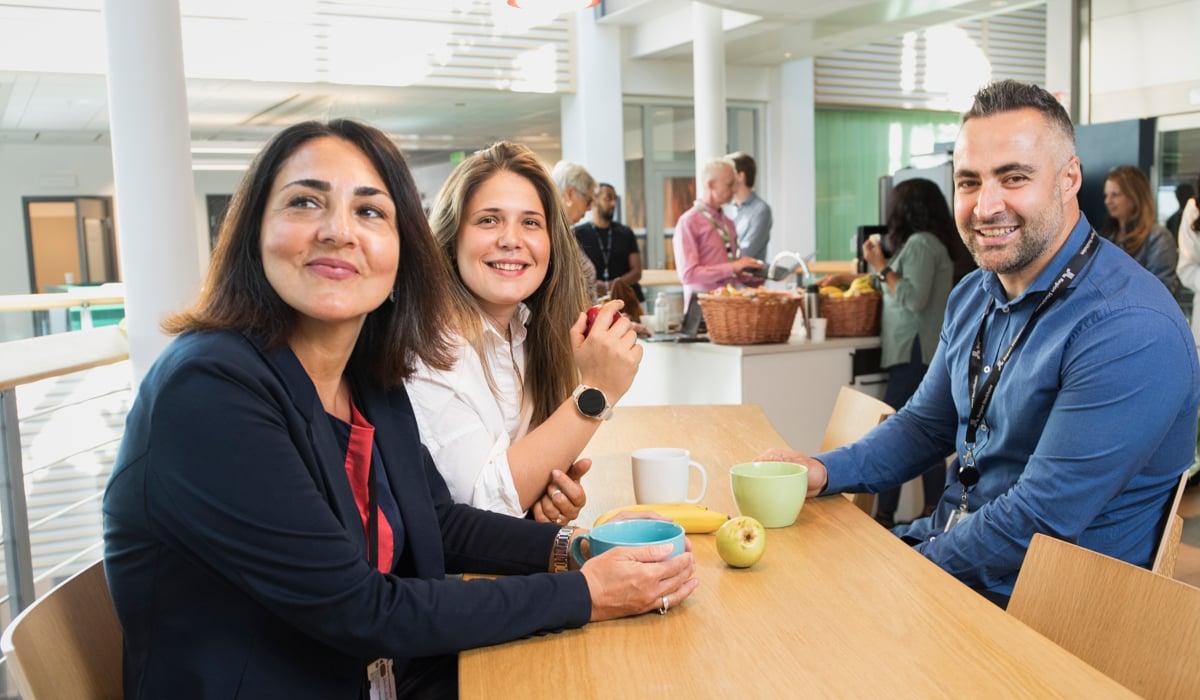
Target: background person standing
point(610, 245)
point(753, 215)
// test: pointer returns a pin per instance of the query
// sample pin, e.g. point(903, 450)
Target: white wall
point(656, 78)
point(430, 178)
point(1145, 58)
point(28, 170)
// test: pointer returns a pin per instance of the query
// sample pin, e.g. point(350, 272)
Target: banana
point(693, 517)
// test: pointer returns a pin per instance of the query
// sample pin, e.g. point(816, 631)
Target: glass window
point(635, 170)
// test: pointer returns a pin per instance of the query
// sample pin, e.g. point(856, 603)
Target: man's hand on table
point(817, 476)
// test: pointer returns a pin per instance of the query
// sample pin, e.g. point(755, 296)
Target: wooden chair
point(1135, 626)
point(1168, 544)
point(854, 415)
point(68, 643)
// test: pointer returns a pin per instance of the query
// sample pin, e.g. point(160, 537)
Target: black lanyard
point(605, 251)
point(372, 515)
point(981, 395)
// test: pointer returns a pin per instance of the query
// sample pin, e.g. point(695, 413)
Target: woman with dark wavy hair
point(916, 283)
point(273, 526)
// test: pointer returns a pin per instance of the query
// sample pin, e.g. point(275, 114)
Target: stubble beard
point(1037, 233)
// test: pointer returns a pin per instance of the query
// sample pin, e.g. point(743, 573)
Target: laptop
point(692, 330)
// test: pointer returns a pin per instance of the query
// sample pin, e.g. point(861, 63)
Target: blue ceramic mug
point(629, 533)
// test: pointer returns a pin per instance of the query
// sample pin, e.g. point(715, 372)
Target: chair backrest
point(854, 415)
point(1135, 626)
point(1168, 544)
point(68, 643)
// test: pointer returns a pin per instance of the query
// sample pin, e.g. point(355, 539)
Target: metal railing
point(22, 364)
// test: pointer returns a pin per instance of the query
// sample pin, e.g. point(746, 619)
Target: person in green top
point(927, 259)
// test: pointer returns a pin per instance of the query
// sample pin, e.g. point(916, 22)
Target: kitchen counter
point(796, 383)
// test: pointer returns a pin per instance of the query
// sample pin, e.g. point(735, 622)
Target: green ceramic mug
point(770, 492)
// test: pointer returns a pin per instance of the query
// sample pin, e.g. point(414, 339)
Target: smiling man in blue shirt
point(1093, 418)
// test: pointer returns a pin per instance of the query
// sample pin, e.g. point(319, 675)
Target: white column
point(791, 158)
point(1061, 56)
point(593, 132)
point(708, 84)
point(152, 165)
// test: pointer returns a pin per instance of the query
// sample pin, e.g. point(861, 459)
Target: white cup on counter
point(817, 329)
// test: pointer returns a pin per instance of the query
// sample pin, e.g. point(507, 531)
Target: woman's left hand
point(564, 497)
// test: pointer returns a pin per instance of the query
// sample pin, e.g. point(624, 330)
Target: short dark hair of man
point(1183, 192)
point(744, 165)
point(237, 295)
point(602, 185)
point(1011, 95)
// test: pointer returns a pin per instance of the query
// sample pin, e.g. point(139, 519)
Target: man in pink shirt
point(705, 240)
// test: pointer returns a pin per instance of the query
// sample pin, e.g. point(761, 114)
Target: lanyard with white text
point(730, 249)
point(981, 395)
point(605, 251)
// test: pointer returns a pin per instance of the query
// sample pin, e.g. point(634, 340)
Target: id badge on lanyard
point(981, 393)
point(382, 677)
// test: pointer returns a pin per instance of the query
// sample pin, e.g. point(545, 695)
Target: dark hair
point(1196, 223)
point(1183, 192)
point(238, 296)
point(743, 164)
point(1011, 95)
point(918, 205)
point(602, 185)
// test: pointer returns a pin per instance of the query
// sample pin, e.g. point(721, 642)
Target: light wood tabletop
point(838, 606)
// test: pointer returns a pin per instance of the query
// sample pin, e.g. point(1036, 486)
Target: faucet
point(803, 264)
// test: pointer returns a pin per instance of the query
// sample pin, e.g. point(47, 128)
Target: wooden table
point(837, 607)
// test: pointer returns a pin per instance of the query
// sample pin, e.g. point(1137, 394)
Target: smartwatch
point(591, 402)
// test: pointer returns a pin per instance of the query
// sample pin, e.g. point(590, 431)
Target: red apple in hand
point(592, 313)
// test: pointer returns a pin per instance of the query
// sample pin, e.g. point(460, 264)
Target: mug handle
point(703, 482)
point(577, 550)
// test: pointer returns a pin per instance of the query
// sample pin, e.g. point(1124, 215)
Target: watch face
point(591, 402)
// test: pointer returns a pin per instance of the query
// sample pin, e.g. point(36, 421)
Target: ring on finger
point(666, 605)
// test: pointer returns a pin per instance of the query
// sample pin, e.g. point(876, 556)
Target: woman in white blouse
point(1188, 268)
point(528, 389)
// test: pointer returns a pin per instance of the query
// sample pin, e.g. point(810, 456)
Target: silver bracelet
point(560, 553)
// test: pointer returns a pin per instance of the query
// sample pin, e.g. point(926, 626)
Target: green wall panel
point(854, 147)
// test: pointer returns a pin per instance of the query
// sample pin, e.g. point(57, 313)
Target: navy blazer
point(237, 560)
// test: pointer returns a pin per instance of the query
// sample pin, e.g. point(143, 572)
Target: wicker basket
point(763, 318)
point(850, 317)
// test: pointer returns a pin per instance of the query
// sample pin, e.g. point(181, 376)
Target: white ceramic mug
point(660, 475)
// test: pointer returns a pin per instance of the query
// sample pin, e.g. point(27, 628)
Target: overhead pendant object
point(563, 4)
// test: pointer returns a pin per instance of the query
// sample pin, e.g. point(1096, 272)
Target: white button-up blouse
point(466, 426)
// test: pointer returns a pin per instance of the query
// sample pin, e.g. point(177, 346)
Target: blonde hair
point(554, 306)
point(1133, 184)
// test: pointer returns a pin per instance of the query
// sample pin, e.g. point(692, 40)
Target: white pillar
point(1061, 55)
point(593, 131)
point(708, 84)
point(152, 165)
point(791, 160)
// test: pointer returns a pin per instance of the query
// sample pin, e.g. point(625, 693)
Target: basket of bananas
point(748, 316)
point(853, 311)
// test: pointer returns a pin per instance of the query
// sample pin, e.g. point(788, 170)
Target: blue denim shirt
point(1092, 423)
